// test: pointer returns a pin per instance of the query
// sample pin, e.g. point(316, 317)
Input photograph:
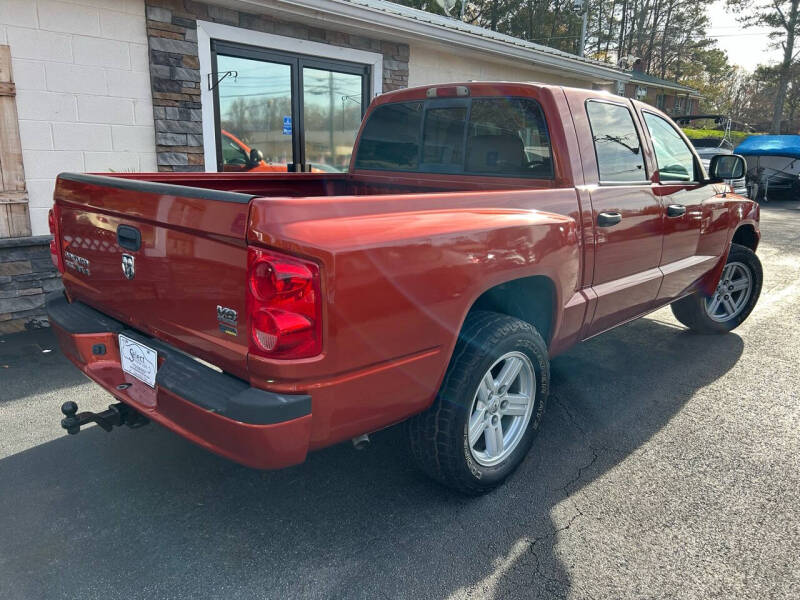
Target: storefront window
point(253, 106)
point(284, 112)
point(332, 108)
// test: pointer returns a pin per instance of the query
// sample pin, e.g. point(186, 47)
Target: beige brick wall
point(83, 90)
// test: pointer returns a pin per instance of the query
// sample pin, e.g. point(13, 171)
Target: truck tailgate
point(183, 282)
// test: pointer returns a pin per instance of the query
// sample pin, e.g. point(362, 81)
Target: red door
point(627, 215)
point(691, 209)
point(627, 254)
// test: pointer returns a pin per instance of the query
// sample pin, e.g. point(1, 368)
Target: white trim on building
point(207, 31)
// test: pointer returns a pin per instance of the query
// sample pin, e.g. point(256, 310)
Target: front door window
point(674, 158)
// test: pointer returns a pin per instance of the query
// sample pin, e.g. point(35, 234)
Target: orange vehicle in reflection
point(238, 156)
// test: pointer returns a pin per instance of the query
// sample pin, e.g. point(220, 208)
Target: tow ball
point(117, 415)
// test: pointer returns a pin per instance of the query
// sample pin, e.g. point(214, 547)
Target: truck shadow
point(144, 514)
point(31, 364)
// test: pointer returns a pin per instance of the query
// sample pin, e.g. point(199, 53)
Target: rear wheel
point(733, 299)
point(487, 411)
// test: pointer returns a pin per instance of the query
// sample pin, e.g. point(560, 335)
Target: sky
point(745, 47)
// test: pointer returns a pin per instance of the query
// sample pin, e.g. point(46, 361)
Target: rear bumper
point(254, 427)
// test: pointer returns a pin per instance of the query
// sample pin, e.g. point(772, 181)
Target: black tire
point(691, 310)
point(794, 194)
point(438, 437)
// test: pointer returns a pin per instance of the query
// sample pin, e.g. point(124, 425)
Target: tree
point(764, 85)
point(783, 18)
point(668, 35)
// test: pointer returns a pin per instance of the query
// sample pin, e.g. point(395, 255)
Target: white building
point(143, 85)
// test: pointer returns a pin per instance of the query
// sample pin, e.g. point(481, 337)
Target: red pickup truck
point(482, 228)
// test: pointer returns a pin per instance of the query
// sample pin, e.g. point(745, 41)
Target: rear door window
point(616, 143)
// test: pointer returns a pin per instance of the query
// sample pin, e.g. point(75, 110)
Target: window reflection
point(616, 143)
point(254, 107)
point(331, 117)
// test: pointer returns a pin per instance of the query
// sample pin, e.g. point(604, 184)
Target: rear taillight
point(284, 305)
point(55, 255)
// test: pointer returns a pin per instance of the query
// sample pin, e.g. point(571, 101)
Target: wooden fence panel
point(14, 218)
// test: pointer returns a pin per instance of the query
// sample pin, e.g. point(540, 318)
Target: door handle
point(129, 237)
point(676, 210)
point(608, 219)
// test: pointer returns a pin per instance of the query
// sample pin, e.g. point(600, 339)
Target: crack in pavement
point(557, 530)
point(537, 570)
point(572, 419)
point(549, 581)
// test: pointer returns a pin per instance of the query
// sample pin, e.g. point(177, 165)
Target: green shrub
point(694, 134)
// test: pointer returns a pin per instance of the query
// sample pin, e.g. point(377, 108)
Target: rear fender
point(397, 288)
point(427, 268)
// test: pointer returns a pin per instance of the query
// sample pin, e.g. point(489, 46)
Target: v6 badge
point(227, 318)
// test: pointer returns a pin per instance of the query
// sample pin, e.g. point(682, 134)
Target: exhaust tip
point(361, 442)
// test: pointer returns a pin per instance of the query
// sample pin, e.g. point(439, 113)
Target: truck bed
point(299, 185)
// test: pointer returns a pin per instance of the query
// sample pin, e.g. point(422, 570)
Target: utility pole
point(581, 6)
point(583, 32)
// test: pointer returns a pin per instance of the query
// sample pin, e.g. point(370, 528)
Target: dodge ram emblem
point(127, 266)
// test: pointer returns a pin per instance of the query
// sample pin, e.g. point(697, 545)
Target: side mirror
point(256, 156)
point(726, 166)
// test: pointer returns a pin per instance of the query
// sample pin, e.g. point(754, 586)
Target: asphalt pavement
point(668, 466)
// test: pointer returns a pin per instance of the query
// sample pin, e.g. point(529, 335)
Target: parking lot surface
point(668, 466)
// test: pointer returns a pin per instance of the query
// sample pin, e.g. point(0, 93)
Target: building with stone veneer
point(182, 85)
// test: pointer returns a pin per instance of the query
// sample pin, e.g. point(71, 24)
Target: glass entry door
point(332, 108)
point(282, 112)
point(253, 107)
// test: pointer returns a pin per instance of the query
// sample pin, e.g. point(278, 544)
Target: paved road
point(668, 466)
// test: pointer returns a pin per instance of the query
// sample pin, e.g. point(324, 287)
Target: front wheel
point(733, 299)
point(489, 406)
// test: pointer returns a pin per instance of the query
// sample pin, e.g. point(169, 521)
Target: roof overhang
point(395, 22)
point(665, 85)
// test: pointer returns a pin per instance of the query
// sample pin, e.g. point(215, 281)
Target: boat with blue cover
point(773, 165)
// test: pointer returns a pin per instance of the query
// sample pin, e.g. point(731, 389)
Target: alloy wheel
point(732, 293)
point(501, 409)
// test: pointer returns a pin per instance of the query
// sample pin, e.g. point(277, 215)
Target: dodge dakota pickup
point(481, 229)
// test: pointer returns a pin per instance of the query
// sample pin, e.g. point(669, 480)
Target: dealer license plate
point(138, 360)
